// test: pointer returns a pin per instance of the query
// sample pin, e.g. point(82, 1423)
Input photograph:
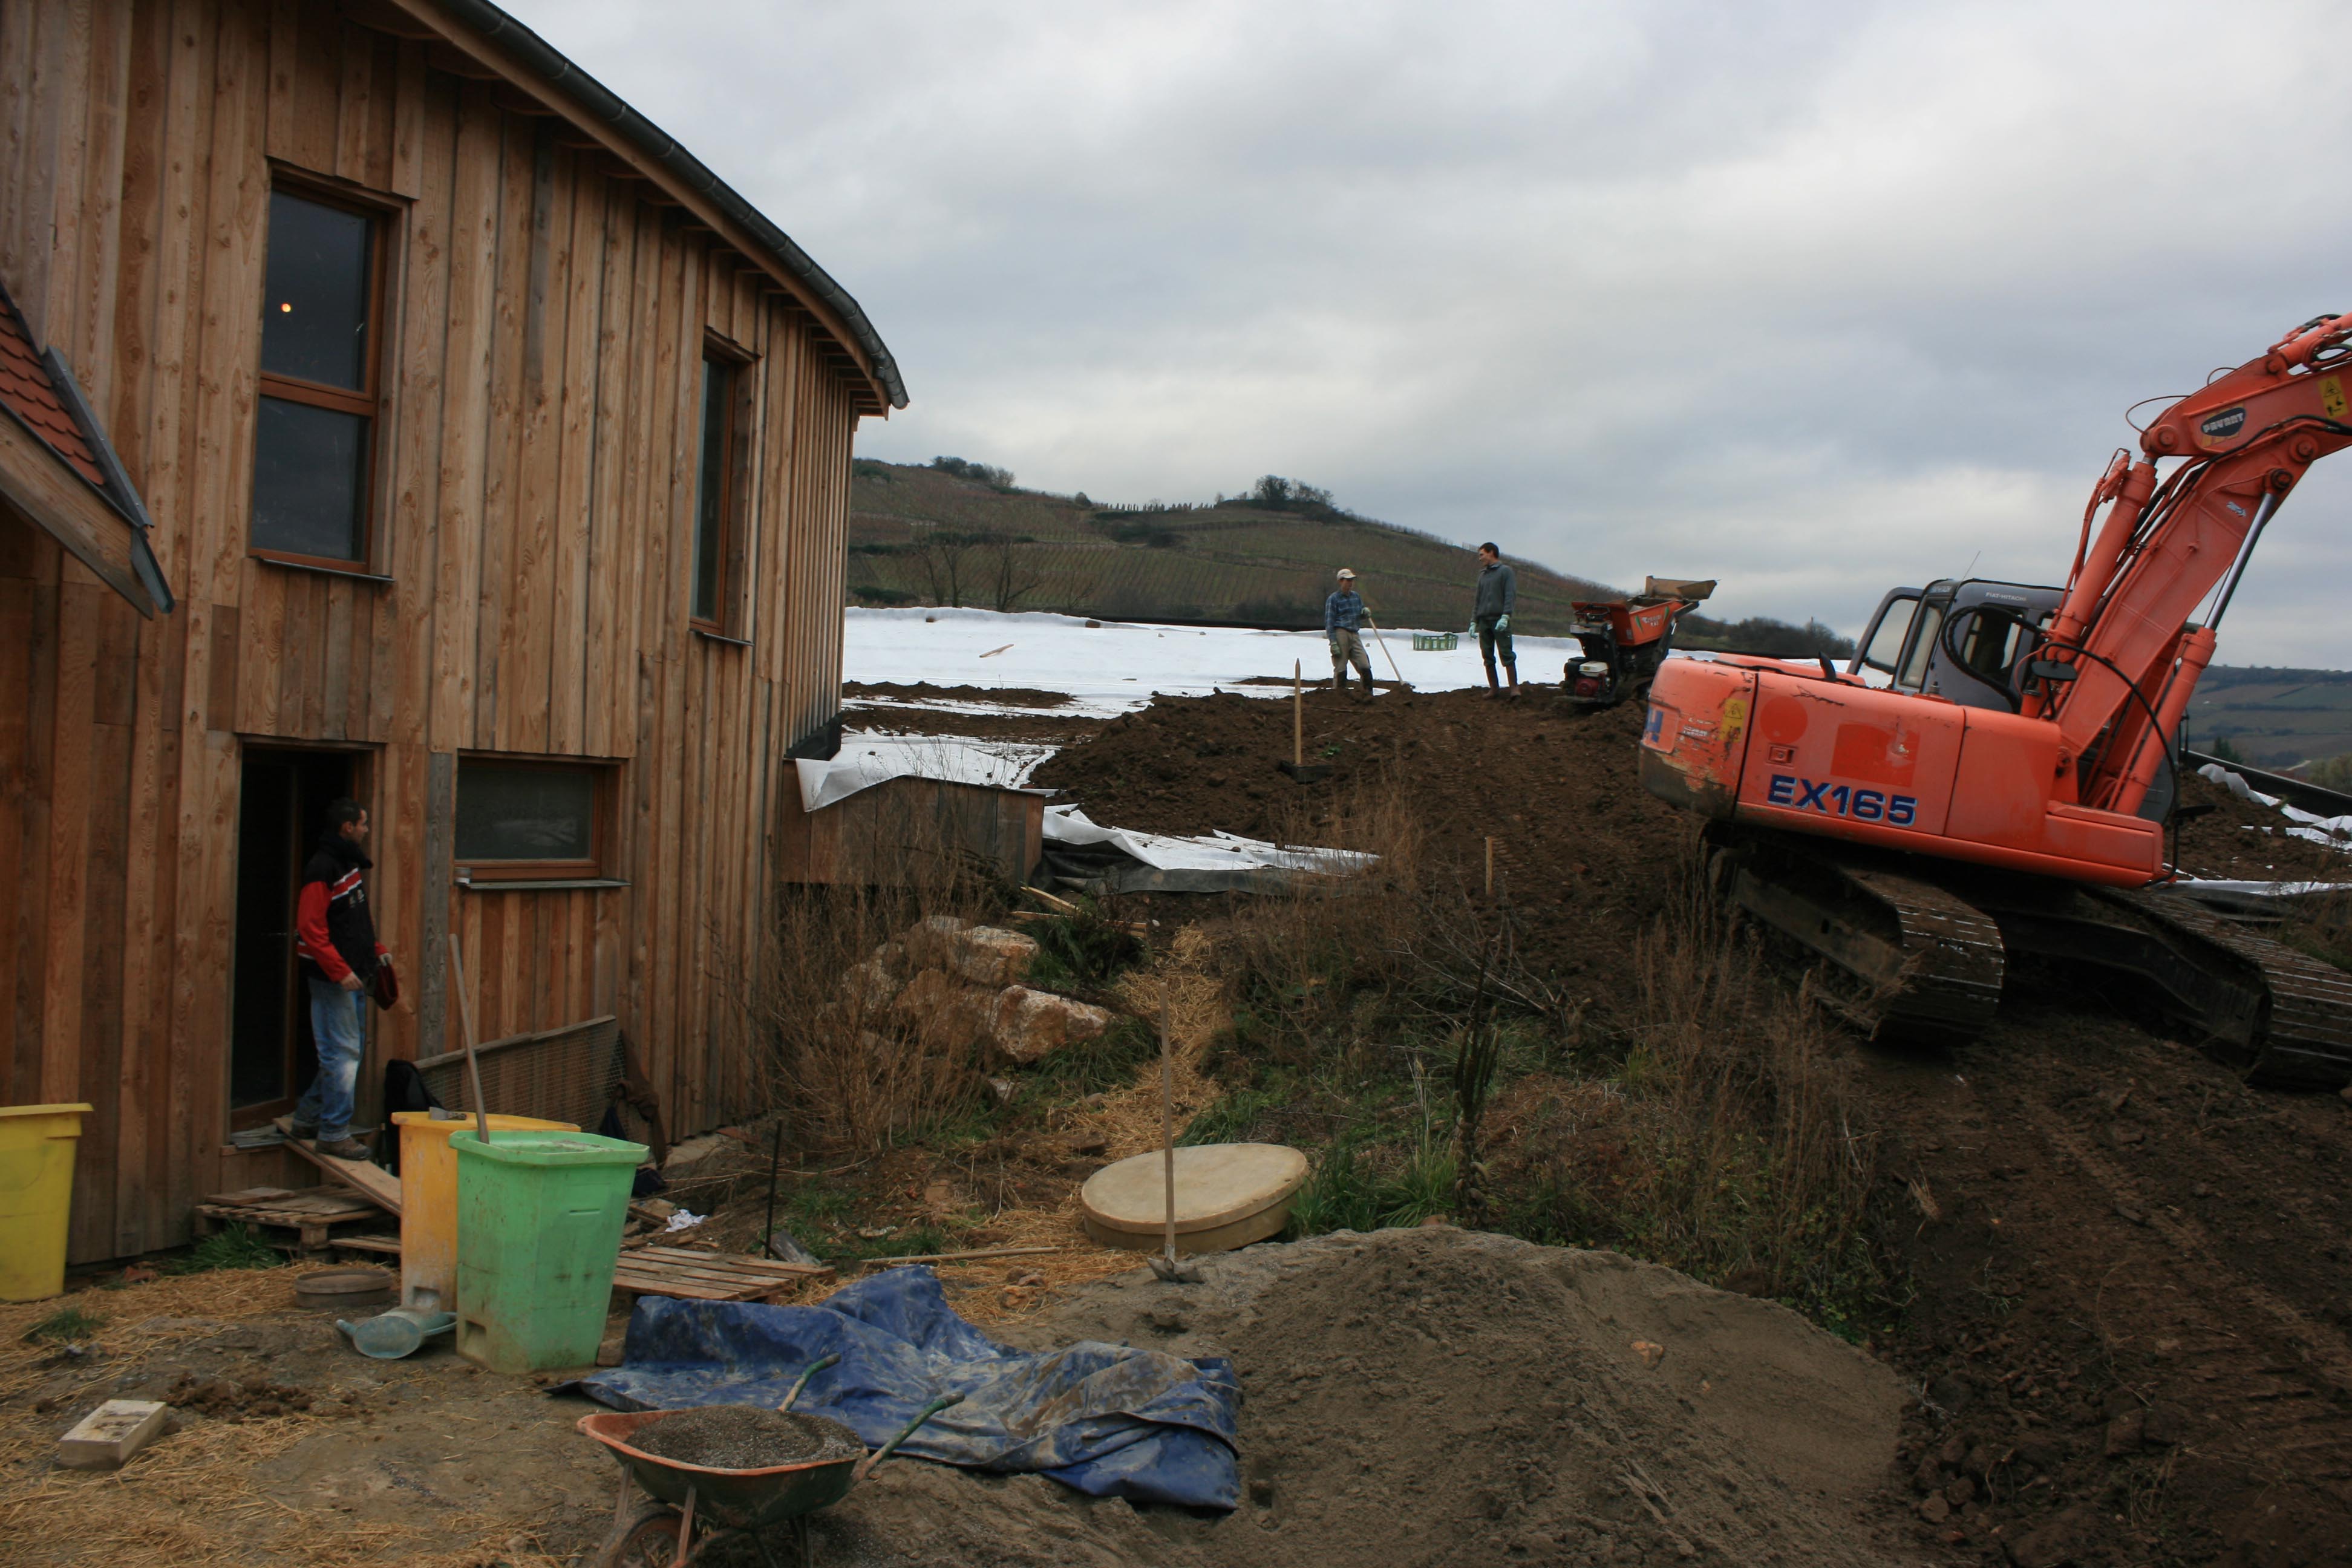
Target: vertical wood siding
point(534, 489)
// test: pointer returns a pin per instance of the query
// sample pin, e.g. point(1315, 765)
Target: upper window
point(716, 536)
point(314, 443)
point(529, 820)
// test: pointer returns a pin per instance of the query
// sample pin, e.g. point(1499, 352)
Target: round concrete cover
point(1216, 1183)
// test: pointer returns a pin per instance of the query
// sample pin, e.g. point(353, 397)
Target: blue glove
point(1502, 623)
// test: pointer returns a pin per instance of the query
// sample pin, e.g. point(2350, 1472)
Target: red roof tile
point(31, 396)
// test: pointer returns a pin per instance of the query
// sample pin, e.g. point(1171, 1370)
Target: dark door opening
point(281, 810)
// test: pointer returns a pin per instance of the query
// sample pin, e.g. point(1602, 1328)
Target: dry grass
point(850, 1072)
point(138, 1320)
point(1726, 1142)
point(190, 1498)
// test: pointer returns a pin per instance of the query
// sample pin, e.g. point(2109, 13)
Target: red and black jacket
point(334, 933)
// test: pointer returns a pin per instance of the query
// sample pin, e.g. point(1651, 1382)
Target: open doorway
point(281, 810)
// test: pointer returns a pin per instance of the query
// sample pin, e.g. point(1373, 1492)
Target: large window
point(519, 820)
point(314, 443)
point(717, 495)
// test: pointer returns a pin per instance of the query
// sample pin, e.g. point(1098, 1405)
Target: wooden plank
point(354, 103)
point(473, 278)
point(501, 522)
point(526, 652)
point(433, 895)
point(575, 463)
point(68, 850)
point(384, 1246)
point(373, 1183)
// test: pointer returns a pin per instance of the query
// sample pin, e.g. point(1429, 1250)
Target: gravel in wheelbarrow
point(747, 1437)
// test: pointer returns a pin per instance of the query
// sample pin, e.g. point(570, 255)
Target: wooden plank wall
point(535, 496)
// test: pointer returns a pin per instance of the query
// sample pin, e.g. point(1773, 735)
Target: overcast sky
point(1812, 298)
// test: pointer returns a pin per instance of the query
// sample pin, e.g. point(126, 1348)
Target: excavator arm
point(2123, 654)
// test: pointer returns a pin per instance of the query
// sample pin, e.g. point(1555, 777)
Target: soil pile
point(745, 1438)
point(1581, 849)
point(1438, 1395)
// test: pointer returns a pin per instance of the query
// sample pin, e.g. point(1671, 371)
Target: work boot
point(344, 1148)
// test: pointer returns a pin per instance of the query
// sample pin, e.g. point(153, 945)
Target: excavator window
point(1990, 646)
point(1925, 629)
point(1883, 650)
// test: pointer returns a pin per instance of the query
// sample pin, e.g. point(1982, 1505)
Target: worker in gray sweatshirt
point(1490, 615)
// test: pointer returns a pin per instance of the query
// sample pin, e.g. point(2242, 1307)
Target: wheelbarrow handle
point(865, 1466)
point(814, 1368)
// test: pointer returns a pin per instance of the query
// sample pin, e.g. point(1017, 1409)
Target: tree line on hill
point(986, 567)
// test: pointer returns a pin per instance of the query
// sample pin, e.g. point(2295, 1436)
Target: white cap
point(1344, 573)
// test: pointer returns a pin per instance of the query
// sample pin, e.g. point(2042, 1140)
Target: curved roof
point(598, 104)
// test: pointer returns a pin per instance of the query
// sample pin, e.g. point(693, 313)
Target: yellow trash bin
point(36, 1163)
point(429, 1200)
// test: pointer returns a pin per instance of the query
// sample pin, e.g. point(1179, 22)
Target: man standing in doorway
point(335, 940)
point(1490, 615)
point(1343, 613)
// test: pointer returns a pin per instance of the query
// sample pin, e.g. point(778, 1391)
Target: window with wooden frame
point(322, 335)
point(531, 820)
point(720, 498)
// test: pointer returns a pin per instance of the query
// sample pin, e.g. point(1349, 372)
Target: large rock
point(944, 1011)
point(1028, 1025)
point(990, 955)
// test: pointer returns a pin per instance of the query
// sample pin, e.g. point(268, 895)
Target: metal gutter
point(599, 102)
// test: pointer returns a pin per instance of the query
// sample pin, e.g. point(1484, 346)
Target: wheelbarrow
point(667, 1511)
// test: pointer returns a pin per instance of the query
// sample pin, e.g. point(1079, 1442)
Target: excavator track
point(1925, 960)
point(2306, 1042)
point(1925, 966)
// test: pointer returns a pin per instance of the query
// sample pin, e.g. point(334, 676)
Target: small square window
point(321, 334)
point(519, 819)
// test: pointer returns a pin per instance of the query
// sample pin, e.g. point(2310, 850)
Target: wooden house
point(386, 410)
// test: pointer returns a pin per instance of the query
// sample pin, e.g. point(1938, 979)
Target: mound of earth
point(1445, 1396)
point(1581, 849)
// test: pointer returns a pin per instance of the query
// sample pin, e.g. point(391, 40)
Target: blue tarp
point(1110, 1420)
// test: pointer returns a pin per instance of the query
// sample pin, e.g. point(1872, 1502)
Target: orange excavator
point(1994, 771)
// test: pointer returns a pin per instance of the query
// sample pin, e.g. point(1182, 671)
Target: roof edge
point(600, 103)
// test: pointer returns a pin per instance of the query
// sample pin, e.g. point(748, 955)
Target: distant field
point(2275, 718)
point(1230, 562)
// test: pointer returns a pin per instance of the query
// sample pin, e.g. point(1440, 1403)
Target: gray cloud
point(1813, 298)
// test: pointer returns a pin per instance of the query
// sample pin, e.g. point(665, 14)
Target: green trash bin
point(538, 1229)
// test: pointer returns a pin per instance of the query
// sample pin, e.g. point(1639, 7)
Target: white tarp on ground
point(866, 761)
point(2336, 831)
point(1118, 666)
point(1114, 860)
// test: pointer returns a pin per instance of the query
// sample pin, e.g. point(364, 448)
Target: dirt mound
point(1438, 1396)
point(924, 691)
point(1581, 848)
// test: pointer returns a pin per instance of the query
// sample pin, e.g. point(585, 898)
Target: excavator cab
point(1905, 646)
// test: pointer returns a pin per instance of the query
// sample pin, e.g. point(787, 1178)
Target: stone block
point(990, 955)
point(107, 1437)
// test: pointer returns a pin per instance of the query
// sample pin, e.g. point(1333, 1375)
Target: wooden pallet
point(388, 1245)
point(311, 1214)
point(707, 1276)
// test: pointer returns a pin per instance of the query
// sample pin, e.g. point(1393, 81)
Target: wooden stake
point(1490, 868)
point(1297, 716)
point(1167, 1129)
point(466, 1018)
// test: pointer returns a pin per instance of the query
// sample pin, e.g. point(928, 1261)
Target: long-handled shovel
point(1384, 648)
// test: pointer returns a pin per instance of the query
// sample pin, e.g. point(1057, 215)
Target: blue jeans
point(339, 1022)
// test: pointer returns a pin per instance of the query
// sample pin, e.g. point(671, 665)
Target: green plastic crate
point(539, 1230)
point(1435, 642)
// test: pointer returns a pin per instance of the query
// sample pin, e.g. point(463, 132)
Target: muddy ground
point(1417, 1397)
point(2131, 1273)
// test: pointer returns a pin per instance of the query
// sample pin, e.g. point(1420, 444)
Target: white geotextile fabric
point(868, 760)
point(1216, 852)
point(2330, 830)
